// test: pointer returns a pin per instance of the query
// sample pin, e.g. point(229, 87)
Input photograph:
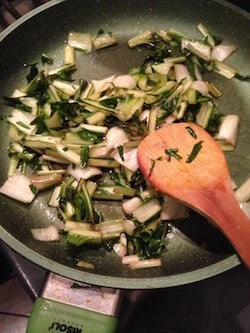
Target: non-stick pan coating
point(45, 30)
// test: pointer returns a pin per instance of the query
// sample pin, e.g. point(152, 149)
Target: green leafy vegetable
point(16, 103)
point(191, 132)
point(173, 152)
point(195, 151)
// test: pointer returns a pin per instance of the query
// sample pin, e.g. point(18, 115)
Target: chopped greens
point(152, 167)
point(191, 132)
point(173, 152)
point(195, 151)
point(84, 135)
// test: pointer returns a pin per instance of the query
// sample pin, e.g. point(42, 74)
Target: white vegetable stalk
point(162, 68)
point(68, 154)
point(164, 35)
point(129, 158)
point(228, 130)
point(152, 122)
point(203, 116)
point(22, 120)
point(94, 128)
point(243, 192)
point(131, 259)
point(182, 110)
point(147, 210)
point(99, 151)
point(91, 187)
point(144, 116)
point(14, 133)
point(201, 50)
point(80, 41)
point(125, 81)
point(18, 93)
point(169, 120)
point(223, 69)
point(130, 205)
point(46, 181)
point(64, 87)
point(55, 159)
point(70, 210)
point(142, 38)
point(55, 197)
point(70, 225)
point(129, 227)
point(104, 40)
point(85, 264)
point(147, 263)
point(42, 141)
point(206, 34)
point(120, 250)
point(46, 172)
point(123, 239)
point(69, 55)
point(84, 173)
point(18, 187)
point(48, 234)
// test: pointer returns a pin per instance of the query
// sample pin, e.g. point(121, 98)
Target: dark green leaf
point(119, 179)
point(214, 122)
point(68, 111)
point(16, 103)
point(76, 240)
point(173, 152)
point(242, 77)
point(39, 122)
point(90, 136)
point(84, 156)
point(65, 72)
point(138, 182)
point(38, 88)
point(191, 132)
point(197, 147)
point(168, 107)
point(120, 150)
point(33, 71)
point(109, 102)
point(191, 67)
point(82, 85)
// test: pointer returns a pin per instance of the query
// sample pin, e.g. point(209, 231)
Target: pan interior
point(45, 30)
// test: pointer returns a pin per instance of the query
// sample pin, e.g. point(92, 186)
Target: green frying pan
point(45, 30)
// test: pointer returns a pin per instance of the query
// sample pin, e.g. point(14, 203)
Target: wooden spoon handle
point(221, 207)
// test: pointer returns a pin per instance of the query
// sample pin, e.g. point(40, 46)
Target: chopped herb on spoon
point(173, 152)
point(191, 132)
point(197, 147)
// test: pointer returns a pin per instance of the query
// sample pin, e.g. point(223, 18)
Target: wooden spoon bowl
point(182, 160)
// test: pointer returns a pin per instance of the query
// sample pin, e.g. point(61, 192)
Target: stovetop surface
point(217, 305)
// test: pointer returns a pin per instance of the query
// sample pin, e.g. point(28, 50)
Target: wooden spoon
point(202, 182)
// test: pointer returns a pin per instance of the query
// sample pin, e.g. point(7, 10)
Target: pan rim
point(103, 280)
point(118, 282)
